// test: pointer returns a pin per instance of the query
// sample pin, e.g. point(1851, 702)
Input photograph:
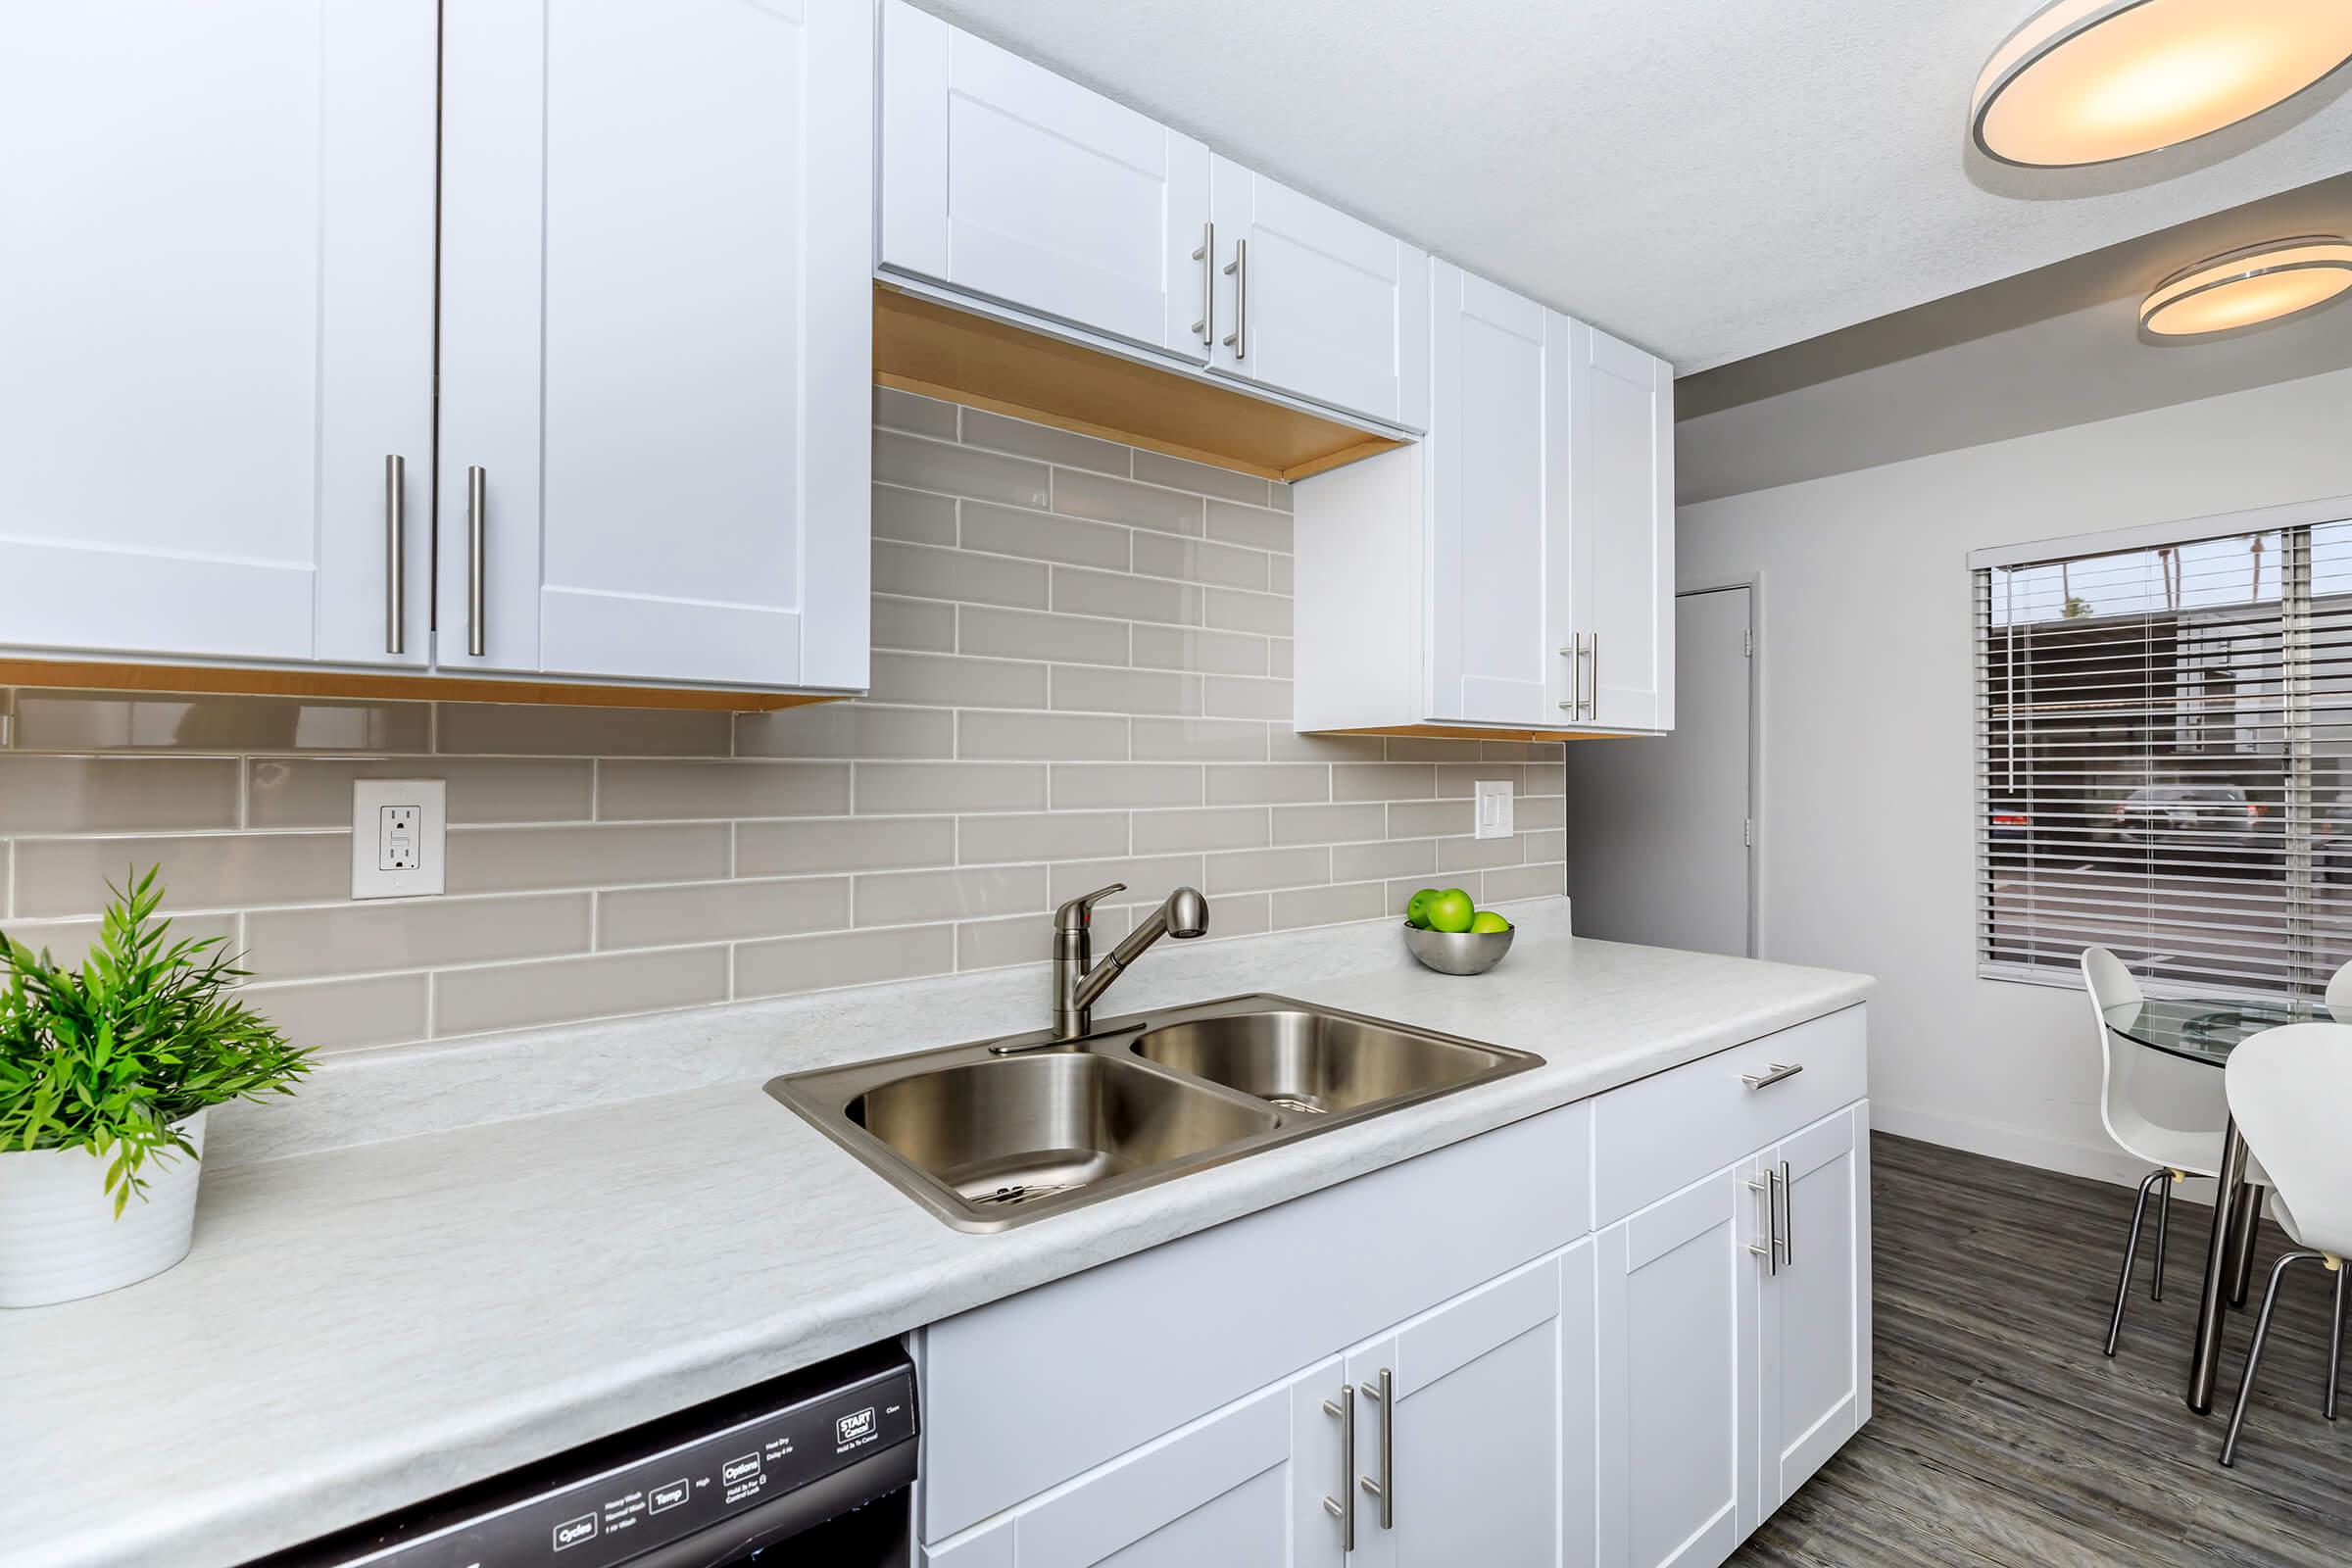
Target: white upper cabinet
point(1501, 554)
point(1530, 538)
point(1314, 303)
point(1005, 183)
point(1002, 179)
point(216, 304)
point(1623, 412)
point(654, 267)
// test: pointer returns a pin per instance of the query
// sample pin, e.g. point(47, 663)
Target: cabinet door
point(1498, 433)
point(1814, 1365)
point(1622, 416)
point(1005, 181)
point(215, 307)
point(656, 347)
point(1318, 305)
point(1677, 1419)
point(1467, 1445)
point(1242, 1488)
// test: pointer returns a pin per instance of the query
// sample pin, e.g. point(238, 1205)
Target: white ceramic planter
point(59, 1237)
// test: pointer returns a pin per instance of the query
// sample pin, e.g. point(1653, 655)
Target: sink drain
point(1023, 1193)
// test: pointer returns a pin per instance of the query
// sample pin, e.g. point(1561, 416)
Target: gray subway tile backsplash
point(118, 793)
point(957, 471)
point(1082, 677)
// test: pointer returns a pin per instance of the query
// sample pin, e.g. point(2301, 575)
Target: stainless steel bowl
point(1458, 952)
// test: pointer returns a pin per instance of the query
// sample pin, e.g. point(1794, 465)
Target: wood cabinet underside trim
point(213, 679)
point(924, 347)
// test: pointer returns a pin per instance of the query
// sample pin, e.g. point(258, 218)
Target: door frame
point(1753, 582)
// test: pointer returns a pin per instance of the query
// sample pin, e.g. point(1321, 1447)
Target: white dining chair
point(2177, 1152)
point(2340, 995)
point(2288, 1088)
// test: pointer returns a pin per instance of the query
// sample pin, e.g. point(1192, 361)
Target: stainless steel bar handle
point(1788, 1216)
point(1592, 678)
point(396, 556)
point(1207, 255)
point(1342, 1507)
point(1574, 654)
point(1238, 339)
point(1385, 1489)
point(1776, 1072)
point(478, 484)
point(1770, 1250)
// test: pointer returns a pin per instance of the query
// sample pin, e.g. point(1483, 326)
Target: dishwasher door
point(816, 1467)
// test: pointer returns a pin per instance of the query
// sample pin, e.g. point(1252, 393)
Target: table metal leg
point(2212, 1315)
point(2245, 1233)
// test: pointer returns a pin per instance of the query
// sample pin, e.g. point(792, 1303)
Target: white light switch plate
point(397, 836)
point(1492, 798)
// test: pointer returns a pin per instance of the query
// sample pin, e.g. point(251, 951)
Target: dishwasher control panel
point(719, 1481)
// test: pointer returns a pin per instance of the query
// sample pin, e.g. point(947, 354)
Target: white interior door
point(1814, 1366)
point(1659, 824)
point(1317, 304)
point(1492, 554)
point(216, 309)
point(1009, 181)
point(664, 390)
point(1624, 488)
point(1677, 1403)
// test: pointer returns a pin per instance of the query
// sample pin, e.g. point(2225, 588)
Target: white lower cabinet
point(1813, 1310)
point(1677, 1407)
point(1243, 1488)
point(1639, 1397)
point(1475, 1423)
point(1734, 1346)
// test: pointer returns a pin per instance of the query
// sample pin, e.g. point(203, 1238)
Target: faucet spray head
point(1187, 912)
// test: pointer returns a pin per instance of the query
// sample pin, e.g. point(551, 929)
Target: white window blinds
point(2162, 748)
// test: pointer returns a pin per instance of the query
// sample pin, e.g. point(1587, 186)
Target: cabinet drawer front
point(1026, 1393)
point(1665, 1132)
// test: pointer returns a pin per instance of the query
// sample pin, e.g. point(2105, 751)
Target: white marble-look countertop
point(363, 1327)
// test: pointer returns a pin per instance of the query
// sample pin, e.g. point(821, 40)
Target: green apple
point(1416, 912)
point(1489, 920)
point(1451, 910)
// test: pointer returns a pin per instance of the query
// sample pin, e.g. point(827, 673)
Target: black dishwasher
point(818, 1466)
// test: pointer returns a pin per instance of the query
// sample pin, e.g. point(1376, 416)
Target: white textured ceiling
point(1710, 178)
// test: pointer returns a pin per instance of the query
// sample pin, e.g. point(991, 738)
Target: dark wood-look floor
point(2002, 1434)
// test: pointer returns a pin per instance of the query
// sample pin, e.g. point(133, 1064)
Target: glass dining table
point(2204, 1030)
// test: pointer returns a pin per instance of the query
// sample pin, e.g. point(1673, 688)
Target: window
point(2164, 760)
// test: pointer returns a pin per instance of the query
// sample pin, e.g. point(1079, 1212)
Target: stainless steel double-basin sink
point(1001, 1132)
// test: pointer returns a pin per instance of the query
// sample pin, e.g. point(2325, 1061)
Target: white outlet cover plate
point(368, 799)
point(1492, 798)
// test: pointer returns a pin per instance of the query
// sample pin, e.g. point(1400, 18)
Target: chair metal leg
point(2335, 1338)
point(2164, 1220)
point(2245, 1236)
point(2262, 1328)
point(2123, 1283)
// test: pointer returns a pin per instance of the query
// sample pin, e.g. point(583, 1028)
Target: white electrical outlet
point(397, 842)
point(1492, 797)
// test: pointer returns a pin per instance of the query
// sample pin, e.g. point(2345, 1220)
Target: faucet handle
point(1079, 913)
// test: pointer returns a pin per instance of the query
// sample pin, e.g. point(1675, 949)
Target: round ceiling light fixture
point(2264, 283)
point(2088, 81)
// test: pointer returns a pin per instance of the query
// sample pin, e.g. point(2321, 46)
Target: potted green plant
point(106, 1072)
